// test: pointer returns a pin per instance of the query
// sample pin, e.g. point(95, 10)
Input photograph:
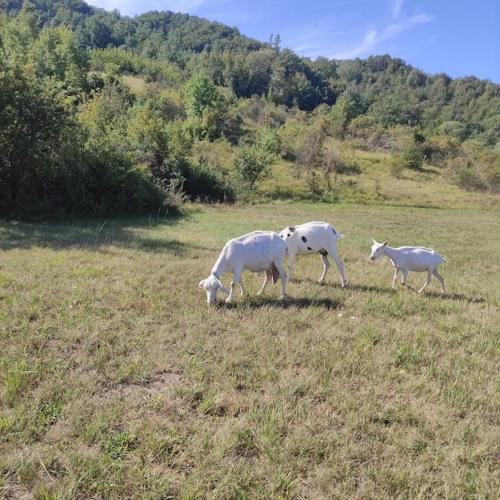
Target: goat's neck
point(220, 265)
point(392, 253)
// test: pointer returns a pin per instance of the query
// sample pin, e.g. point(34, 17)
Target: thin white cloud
point(405, 25)
point(397, 8)
point(313, 47)
point(373, 37)
point(370, 39)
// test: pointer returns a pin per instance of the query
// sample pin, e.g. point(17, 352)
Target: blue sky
point(458, 37)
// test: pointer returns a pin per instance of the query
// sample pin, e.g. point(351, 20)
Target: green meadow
point(117, 381)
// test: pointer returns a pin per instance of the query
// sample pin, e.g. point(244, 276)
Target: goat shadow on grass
point(348, 287)
point(437, 295)
point(257, 302)
point(454, 296)
point(374, 288)
point(369, 288)
point(410, 289)
point(313, 281)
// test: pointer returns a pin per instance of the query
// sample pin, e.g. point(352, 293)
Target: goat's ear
point(292, 229)
point(374, 242)
point(384, 243)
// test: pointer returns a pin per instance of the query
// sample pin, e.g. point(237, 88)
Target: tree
point(294, 83)
point(268, 141)
point(146, 132)
point(348, 106)
point(199, 94)
point(252, 164)
point(57, 54)
point(34, 124)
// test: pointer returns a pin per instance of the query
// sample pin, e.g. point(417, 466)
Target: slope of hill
point(99, 28)
point(162, 103)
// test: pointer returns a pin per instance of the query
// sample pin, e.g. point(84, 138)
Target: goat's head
point(288, 233)
point(211, 285)
point(377, 249)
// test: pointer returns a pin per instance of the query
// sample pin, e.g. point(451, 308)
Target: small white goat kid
point(405, 259)
point(257, 251)
point(313, 237)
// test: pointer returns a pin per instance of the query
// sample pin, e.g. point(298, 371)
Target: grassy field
point(118, 381)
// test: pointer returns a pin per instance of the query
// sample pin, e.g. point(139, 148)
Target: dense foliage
point(102, 112)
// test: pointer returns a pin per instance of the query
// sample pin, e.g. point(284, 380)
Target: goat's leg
point(340, 265)
point(439, 278)
point(326, 265)
point(281, 270)
point(394, 279)
point(427, 281)
point(236, 279)
point(242, 290)
point(404, 275)
point(266, 279)
point(291, 263)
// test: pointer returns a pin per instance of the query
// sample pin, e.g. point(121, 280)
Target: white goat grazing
point(313, 237)
point(405, 259)
point(257, 251)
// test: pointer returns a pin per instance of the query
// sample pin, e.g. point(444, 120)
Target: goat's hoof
point(228, 301)
point(282, 297)
point(321, 281)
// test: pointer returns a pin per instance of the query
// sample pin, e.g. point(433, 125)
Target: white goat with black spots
point(311, 237)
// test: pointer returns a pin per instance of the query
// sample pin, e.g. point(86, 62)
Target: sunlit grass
point(118, 381)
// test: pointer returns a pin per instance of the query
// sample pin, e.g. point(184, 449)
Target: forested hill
point(168, 34)
point(135, 100)
point(250, 67)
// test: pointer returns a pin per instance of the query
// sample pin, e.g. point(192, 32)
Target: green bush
point(470, 180)
point(438, 148)
point(336, 162)
point(117, 60)
point(268, 140)
point(365, 127)
point(201, 182)
point(251, 164)
point(412, 157)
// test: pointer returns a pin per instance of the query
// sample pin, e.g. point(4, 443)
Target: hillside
point(165, 105)
point(168, 32)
